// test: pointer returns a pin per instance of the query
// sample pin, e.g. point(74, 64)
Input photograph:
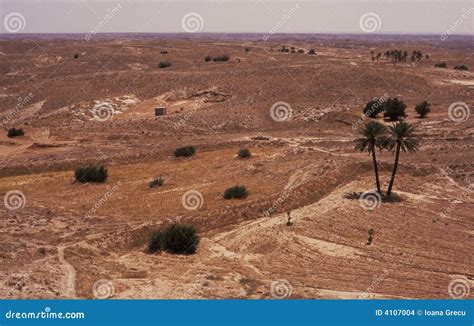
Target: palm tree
point(401, 137)
point(373, 136)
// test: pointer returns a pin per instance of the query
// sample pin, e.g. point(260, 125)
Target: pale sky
point(260, 16)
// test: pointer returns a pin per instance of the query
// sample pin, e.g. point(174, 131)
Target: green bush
point(13, 132)
point(91, 174)
point(164, 64)
point(156, 182)
point(235, 192)
point(461, 67)
point(244, 153)
point(373, 108)
point(441, 65)
point(423, 108)
point(224, 57)
point(394, 109)
point(176, 239)
point(185, 151)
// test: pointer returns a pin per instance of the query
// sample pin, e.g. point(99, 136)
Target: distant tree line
point(396, 55)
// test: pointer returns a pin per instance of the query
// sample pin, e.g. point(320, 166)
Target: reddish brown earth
point(57, 245)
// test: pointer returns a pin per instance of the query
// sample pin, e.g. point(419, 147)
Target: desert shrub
point(423, 108)
point(91, 174)
point(441, 65)
point(76, 55)
point(156, 182)
point(185, 151)
point(244, 153)
point(164, 52)
point(237, 192)
point(208, 58)
point(164, 64)
point(311, 51)
point(13, 132)
point(461, 67)
point(300, 51)
point(394, 109)
point(177, 239)
point(373, 108)
point(247, 49)
point(224, 57)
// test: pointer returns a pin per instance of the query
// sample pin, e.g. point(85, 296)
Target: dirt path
point(70, 282)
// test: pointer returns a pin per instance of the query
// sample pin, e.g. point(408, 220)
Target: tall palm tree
point(373, 136)
point(401, 137)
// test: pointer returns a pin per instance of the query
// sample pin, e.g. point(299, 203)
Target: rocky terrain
point(92, 102)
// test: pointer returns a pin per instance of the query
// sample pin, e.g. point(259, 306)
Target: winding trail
point(70, 283)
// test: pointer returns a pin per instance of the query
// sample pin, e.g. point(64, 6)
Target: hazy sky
point(262, 16)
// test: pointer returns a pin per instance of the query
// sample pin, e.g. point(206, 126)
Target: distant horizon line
point(248, 33)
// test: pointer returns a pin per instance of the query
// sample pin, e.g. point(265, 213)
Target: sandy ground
point(61, 239)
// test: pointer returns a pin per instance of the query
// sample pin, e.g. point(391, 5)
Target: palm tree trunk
point(374, 159)
point(395, 165)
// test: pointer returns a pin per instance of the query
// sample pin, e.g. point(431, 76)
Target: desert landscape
point(271, 116)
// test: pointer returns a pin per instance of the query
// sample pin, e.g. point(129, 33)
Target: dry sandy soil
point(62, 237)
